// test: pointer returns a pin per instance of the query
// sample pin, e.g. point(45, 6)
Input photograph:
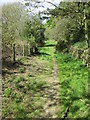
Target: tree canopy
point(68, 21)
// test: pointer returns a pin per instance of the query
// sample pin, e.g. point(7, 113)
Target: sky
point(45, 4)
point(33, 9)
point(55, 1)
point(6, 1)
point(10, 1)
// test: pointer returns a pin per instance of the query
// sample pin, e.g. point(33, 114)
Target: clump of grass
point(35, 85)
point(36, 112)
point(13, 94)
point(17, 82)
point(21, 78)
point(7, 92)
point(30, 75)
point(21, 60)
point(22, 70)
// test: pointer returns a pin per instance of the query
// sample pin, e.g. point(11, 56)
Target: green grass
point(80, 44)
point(22, 94)
point(50, 43)
point(7, 92)
point(22, 70)
point(20, 98)
point(46, 55)
point(73, 78)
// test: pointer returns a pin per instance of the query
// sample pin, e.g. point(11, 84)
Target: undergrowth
point(20, 100)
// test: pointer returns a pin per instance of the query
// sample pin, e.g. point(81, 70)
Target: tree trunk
point(86, 26)
point(31, 50)
point(13, 48)
point(36, 50)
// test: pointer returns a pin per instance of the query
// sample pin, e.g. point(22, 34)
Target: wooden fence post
point(28, 49)
point(13, 52)
point(23, 50)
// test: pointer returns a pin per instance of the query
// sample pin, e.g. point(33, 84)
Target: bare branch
point(51, 3)
point(47, 2)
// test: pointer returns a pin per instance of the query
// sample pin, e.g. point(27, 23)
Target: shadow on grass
point(10, 65)
point(49, 45)
point(6, 72)
point(43, 53)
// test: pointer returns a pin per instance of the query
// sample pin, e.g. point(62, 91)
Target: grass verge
point(73, 78)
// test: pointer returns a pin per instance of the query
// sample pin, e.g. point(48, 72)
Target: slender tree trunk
point(33, 49)
point(13, 51)
point(86, 26)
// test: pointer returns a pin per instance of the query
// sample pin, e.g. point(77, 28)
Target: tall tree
point(70, 23)
point(13, 19)
point(34, 33)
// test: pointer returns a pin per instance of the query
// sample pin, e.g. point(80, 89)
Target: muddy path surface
point(51, 99)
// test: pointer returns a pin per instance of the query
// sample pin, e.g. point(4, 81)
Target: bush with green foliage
point(34, 33)
point(70, 24)
point(13, 19)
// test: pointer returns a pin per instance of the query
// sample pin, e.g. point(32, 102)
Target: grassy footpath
point(24, 86)
point(73, 77)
